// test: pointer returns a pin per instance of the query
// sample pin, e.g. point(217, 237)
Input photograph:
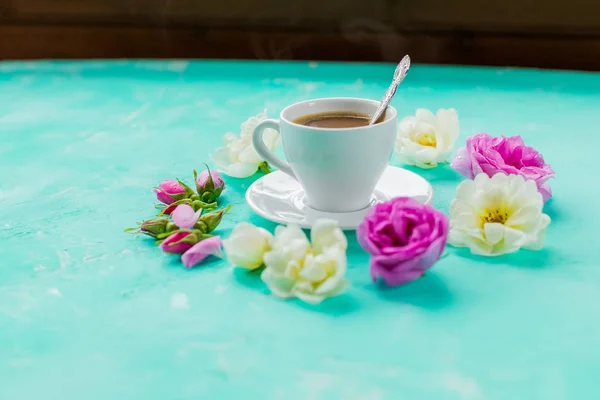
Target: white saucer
point(280, 198)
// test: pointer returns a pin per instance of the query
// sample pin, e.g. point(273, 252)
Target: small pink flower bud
point(181, 241)
point(209, 222)
point(170, 191)
point(156, 226)
point(209, 185)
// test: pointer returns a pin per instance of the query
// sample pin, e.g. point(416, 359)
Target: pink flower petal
point(462, 163)
point(198, 252)
point(184, 216)
point(163, 197)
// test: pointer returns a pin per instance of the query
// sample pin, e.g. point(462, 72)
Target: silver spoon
point(399, 74)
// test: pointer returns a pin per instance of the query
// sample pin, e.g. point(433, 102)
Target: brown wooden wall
point(539, 33)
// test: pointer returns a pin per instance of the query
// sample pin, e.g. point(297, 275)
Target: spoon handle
point(399, 74)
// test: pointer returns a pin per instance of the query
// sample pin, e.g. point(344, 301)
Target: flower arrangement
point(498, 209)
point(186, 220)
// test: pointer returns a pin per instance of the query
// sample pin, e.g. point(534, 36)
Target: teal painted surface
point(89, 312)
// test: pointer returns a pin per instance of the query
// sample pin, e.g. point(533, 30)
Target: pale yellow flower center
point(427, 139)
point(498, 215)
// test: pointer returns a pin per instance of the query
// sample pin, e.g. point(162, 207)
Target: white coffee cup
point(338, 168)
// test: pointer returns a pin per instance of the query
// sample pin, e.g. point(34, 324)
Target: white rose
point(498, 215)
point(237, 157)
point(294, 268)
point(425, 139)
point(247, 245)
point(323, 275)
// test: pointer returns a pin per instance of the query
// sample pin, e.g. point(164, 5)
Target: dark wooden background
point(535, 33)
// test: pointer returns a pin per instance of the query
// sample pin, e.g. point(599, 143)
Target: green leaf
point(265, 167)
point(188, 189)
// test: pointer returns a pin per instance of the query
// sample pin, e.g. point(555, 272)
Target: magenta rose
point(404, 239)
point(170, 191)
point(509, 155)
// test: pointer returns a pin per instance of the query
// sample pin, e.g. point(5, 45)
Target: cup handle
point(264, 152)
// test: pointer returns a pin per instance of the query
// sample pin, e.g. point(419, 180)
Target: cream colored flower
point(237, 157)
point(295, 268)
point(247, 245)
point(498, 215)
point(425, 139)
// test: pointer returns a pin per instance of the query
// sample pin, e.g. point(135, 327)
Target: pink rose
point(404, 238)
point(490, 155)
point(170, 191)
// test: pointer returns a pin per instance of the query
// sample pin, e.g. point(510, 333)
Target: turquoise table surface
point(90, 312)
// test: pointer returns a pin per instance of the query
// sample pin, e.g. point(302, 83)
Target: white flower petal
point(250, 156)
point(310, 298)
point(276, 261)
point(333, 287)
point(494, 232)
point(241, 170)
point(457, 238)
point(525, 218)
point(313, 271)
point(293, 269)
point(221, 158)
point(425, 115)
point(514, 238)
point(280, 286)
point(285, 235)
point(327, 233)
point(407, 124)
point(230, 139)
point(251, 123)
point(480, 247)
point(247, 245)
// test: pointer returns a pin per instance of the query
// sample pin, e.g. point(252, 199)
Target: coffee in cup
point(331, 150)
